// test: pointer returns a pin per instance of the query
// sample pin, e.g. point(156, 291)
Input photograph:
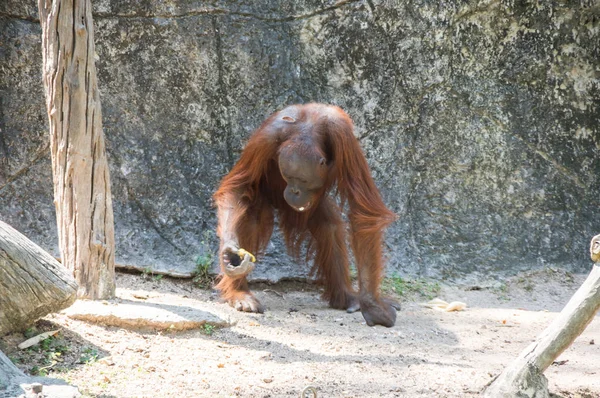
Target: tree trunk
point(32, 283)
point(81, 179)
point(524, 377)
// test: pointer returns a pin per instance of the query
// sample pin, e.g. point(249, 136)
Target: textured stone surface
point(134, 314)
point(14, 383)
point(479, 120)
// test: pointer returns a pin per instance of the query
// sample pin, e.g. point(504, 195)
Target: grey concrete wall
point(480, 121)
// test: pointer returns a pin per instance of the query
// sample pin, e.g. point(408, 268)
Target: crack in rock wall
point(479, 120)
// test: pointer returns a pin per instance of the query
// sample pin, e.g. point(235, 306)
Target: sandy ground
point(300, 342)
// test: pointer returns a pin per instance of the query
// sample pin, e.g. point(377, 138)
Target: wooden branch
point(32, 283)
point(524, 377)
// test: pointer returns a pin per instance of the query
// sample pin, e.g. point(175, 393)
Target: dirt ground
point(300, 342)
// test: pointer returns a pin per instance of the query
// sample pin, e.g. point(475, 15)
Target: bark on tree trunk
point(32, 283)
point(524, 377)
point(82, 193)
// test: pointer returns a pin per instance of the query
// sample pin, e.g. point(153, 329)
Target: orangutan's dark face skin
point(305, 179)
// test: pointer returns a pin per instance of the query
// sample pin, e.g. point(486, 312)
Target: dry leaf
point(107, 361)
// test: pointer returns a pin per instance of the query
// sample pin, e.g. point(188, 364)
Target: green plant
point(52, 349)
point(147, 273)
point(46, 344)
point(15, 360)
point(406, 287)
point(51, 359)
point(501, 290)
point(88, 356)
point(202, 277)
point(32, 331)
point(525, 283)
point(37, 371)
point(208, 329)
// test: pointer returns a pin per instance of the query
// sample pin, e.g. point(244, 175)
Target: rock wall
point(480, 121)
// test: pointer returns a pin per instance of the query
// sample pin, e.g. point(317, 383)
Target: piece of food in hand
point(237, 263)
point(243, 252)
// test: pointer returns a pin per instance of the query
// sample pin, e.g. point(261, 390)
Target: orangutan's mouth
point(303, 208)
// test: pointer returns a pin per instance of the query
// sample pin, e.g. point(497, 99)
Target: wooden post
point(82, 193)
point(524, 377)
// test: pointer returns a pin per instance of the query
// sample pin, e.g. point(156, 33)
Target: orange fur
point(253, 190)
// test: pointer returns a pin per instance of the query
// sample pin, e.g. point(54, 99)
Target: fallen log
point(524, 377)
point(32, 283)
